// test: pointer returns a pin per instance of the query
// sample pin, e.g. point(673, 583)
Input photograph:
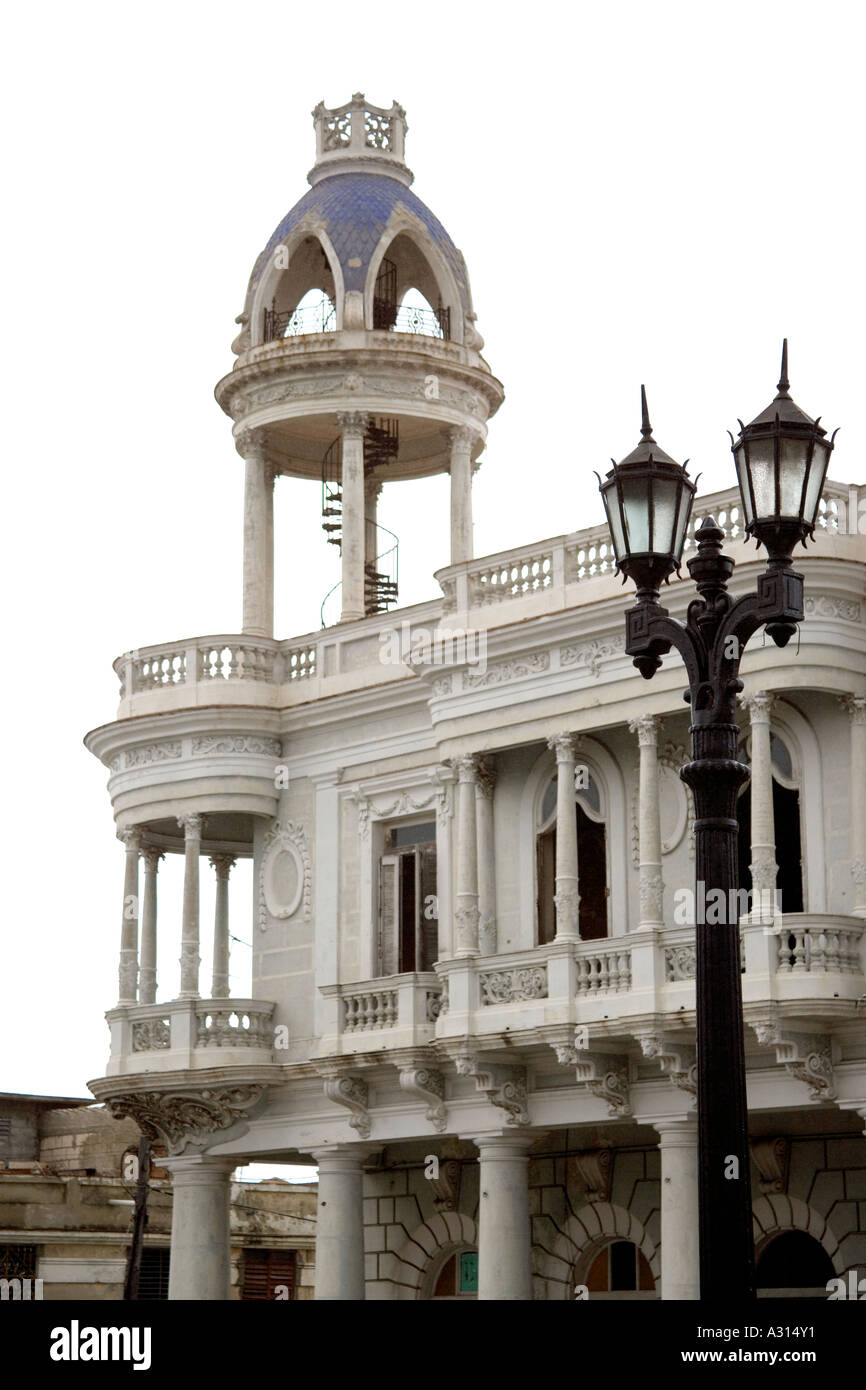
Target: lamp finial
point(646, 428)
point(784, 383)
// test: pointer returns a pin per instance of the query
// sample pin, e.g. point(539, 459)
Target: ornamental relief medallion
point(285, 878)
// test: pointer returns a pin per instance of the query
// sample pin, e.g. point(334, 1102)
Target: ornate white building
point(473, 1002)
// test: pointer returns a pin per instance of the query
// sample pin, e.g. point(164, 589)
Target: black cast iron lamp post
point(781, 459)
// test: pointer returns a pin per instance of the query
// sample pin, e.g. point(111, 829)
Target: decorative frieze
point(269, 747)
point(591, 654)
point(512, 986)
point(829, 606)
point(152, 753)
point(505, 671)
point(151, 1034)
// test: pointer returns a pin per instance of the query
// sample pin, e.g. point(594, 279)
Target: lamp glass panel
point(743, 478)
point(614, 520)
point(763, 474)
point(682, 523)
point(635, 501)
point(815, 483)
point(664, 514)
point(792, 474)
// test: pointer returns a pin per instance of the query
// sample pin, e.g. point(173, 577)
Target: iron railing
point(312, 318)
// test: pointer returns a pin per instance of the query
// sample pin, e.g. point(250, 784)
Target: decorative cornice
point(505, 671)
point(592, 653)
point(220, 743)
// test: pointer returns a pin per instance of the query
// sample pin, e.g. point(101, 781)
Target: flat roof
point(47, 1102)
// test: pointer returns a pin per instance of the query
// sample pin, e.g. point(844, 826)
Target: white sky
point(647, 192)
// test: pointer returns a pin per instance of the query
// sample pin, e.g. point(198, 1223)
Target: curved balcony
point(190, 1034)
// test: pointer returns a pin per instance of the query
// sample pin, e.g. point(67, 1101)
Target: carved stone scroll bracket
point(595, 1167)
point(605, 1075)
point(446, 1187)
point(808, 1057)
point(772, 1160)
point(677, 1060)
point(503, 1086)
point(352, 1092)
point(185, 1121)
point(428, 1085)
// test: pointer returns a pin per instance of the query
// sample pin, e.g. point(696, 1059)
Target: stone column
point(466, 914)
point(128, 972)
point(339, 1225)
point(353, 424)
point(504, 1241)
point(258, 618)
point(486, 858)
point(147, 977)
point(678, 1145)
point(461, 495)
point(189, 956)
point(649, 828)
point(200, 1266)
point(856, 707)
point(566, 899)
point(223, 865)
point(372, 489)
point(763, 834)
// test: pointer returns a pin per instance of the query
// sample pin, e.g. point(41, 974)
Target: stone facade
point(473, 855)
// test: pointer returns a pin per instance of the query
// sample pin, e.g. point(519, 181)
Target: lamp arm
point(650, 634)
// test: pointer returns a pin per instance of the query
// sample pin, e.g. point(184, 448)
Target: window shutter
point(265, 1271)
point(428, 942)
point(389, 920)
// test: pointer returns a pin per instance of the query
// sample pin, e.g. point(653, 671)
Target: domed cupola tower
point(358, 361)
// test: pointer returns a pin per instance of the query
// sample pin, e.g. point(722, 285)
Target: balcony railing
point(186, 1034)
point(395, 1011)
point(310, 318)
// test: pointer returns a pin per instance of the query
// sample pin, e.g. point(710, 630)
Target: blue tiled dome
point(355, 209)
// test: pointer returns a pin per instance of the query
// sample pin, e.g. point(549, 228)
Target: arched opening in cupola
point(304, 296)
point(409, 296)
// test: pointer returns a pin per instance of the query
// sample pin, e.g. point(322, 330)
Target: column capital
point(130, 836)
point(760, 705)
point(191, 823)
point(151, 856)
point(485, 779)
point(372, 487)
point(855, 707)
point(250, 443)
point(468, 768)
point(676, 1133)
point(646, 726)
point(223, 865)
point(503, 1146)
point(565, 747)
point(353, 423)
point(461, 438)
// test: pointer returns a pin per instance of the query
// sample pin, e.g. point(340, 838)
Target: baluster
point(834, 950)
point(799, 949)
point(819, 952)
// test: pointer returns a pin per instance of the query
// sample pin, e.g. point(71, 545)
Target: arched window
point(620, 1268)
point(304, 295)
point(794, 1260)
point(786, 817)
point(407, 295)
point(458, 1277)
point(591, 858)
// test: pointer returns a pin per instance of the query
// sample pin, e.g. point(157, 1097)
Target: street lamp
point(781, 460)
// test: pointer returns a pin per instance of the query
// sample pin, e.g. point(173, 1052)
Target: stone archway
point(421, 1256)
point(559, 1266)
point(777, 1213)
